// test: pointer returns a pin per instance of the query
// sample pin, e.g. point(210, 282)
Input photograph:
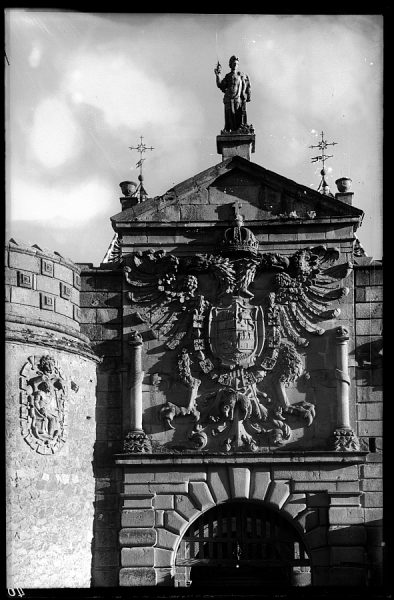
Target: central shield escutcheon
point(236, 333)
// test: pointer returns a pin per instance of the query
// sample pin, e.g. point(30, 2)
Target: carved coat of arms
point(236, 333)
point(237, 350)
point(42, 404)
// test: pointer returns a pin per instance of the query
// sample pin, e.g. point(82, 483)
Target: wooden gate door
point(241, 544)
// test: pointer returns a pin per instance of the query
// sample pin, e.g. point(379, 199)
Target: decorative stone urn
point(344, 184)
point(128, 188)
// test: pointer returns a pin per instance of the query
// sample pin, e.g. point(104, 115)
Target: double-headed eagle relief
point(234, 339)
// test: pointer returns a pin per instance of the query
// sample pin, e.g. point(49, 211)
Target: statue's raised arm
point(237, 91)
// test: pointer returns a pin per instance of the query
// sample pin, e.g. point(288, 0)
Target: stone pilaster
point(136, 439)
point(343, 437)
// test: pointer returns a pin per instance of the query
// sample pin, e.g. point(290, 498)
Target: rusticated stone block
point(174, 521)
point(260, 482)
point(366, 394)
point(295, 504)
point(345, 500)
point(328, 473)
point(348, 515)
point(166, 477)
point(369, 310)
point(372, 485)
point(308, 520)
point(104, 538)
point(140, 536)
point(239, 482)
point(277, 493)
point(163, 558)
point(362, 276)
point(219, 484)
point(373, 514)
point(61, 272)
point(373, 499)
point(159, 518)
point(347, 486)
point(370, 412)
point(137, 576)
point(27, 262)
point(137, 557)
point(108, 315)
point(138, 518)
point(346, 554)
point(321, 557)
point(347, 536)
point(138, 502)
point(318, 499)
point(317, 538)
point(369, 327)
point(164, 576)
point(201, 495)
point(166, 539)
point(140, 489)
point(106, 557)
point(370, 428)
point(347, 576)
point(376, 276)
point(374, 535)
point(163, 501)
point(374, 293)
point(25, 296)
point(185, 507)
point(104, 577)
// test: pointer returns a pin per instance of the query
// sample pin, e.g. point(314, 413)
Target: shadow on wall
point(369, 358)
point(105, 547)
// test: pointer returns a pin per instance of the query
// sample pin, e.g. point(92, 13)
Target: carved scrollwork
point(245, 349)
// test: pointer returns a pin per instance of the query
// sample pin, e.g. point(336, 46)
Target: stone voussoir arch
point(256, 484)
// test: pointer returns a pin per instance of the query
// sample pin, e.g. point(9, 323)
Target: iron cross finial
point(322, 145)
point(141, 148)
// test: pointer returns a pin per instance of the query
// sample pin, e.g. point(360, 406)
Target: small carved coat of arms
point(42, 398)
point(236, 333)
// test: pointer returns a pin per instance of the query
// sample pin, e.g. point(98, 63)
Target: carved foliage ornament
point(243, 349)
point(43, 393)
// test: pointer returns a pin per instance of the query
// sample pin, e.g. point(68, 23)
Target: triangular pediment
point(264, 195)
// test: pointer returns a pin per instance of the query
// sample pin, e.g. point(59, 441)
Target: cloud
point(55, 136)
point(60, 205)
point(35, 55)
point(126, 95)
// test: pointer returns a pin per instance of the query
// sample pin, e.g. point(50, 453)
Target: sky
point(81, 88)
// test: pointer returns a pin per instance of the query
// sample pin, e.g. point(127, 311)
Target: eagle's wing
point(160, 293)
point(305, 290)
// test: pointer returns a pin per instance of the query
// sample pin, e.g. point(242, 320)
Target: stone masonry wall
point(101, 320)
point(368, 383)
point(49, 481)
point(41, 285)
point(50, 497)
point(320, 497)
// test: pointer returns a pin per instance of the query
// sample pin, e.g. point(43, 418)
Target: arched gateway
point(242, 543)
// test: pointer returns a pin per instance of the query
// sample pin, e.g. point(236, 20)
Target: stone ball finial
point(344, 184)
point(128, 188)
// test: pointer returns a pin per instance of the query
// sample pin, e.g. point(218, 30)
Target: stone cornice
point(246, 458)
point(33, 331)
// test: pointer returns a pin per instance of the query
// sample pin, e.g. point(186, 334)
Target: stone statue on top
point(237, 92)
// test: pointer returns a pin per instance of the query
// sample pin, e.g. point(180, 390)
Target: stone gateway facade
point(204, 408)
